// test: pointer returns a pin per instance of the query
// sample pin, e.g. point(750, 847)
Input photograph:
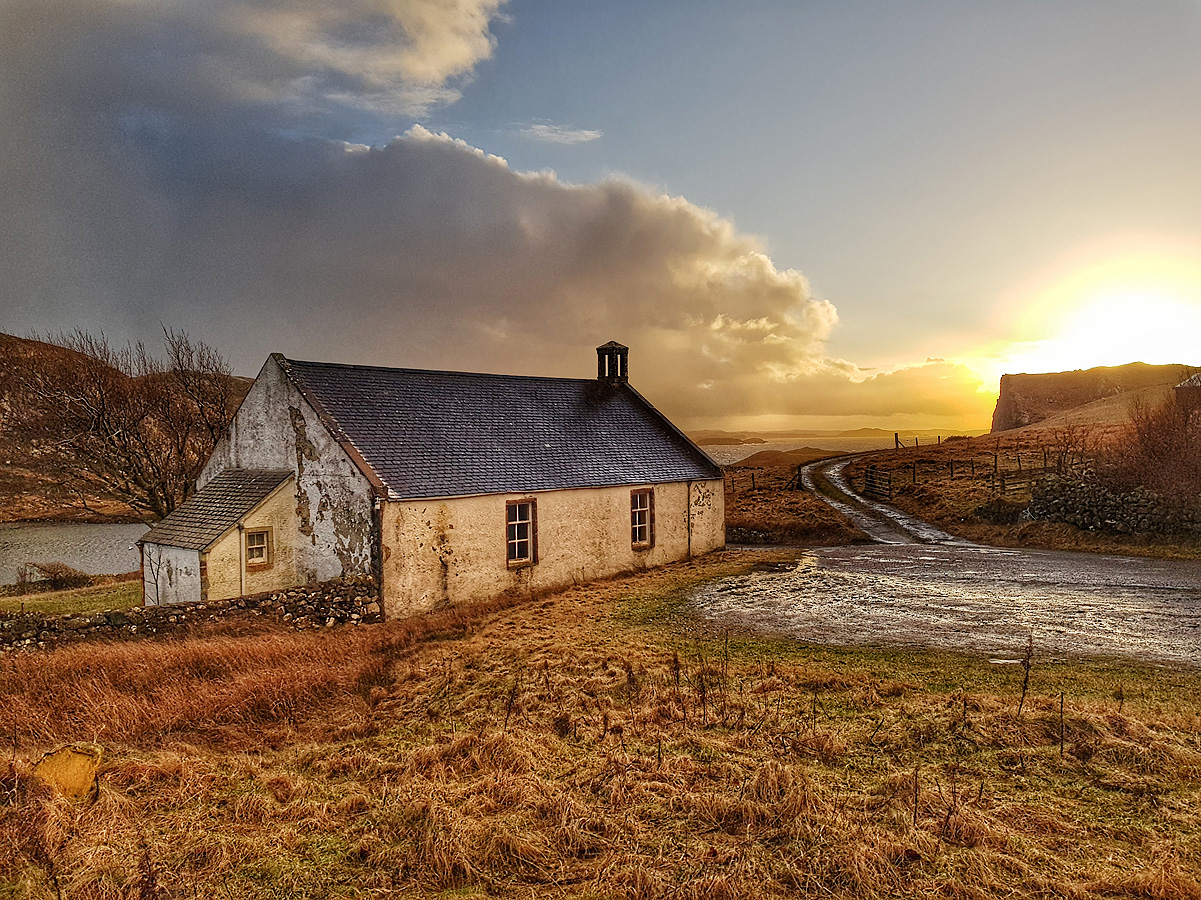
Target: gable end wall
point(169, 575)
point(277, 428)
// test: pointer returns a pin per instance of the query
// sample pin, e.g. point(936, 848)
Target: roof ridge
point(507, 377)
point(259, 469)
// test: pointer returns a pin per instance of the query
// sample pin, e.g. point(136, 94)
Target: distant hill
point(797, 457)
point(1082, 397)
point(32, 478)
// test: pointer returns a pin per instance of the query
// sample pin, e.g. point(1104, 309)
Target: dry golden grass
point(596, 744)
point(760, 505)
point(104, 593)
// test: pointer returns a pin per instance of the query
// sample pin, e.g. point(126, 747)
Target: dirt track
point(882, 523)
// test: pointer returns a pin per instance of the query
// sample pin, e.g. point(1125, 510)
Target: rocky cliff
point(1029, 399)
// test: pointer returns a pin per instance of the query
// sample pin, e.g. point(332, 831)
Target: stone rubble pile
point(351, 600)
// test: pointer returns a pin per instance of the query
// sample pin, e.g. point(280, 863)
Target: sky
point(795, 214)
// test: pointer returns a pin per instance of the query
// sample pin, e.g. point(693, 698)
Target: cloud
point(154, 169)
point(559, 134)
point(305, 57)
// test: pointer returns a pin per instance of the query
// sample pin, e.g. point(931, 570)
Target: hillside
point(36, 481)
point(33, 479)
point(1083, 397)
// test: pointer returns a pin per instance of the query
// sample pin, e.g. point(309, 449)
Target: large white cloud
point(151, 171)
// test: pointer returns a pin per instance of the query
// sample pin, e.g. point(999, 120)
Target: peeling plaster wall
point(169, 575)
point(707, 507)
point(453, 551)
point(276, 428)
point(225, 556)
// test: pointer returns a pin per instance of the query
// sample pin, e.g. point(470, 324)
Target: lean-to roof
point(216, 508)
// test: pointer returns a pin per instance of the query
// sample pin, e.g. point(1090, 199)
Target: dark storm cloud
point(166, 162)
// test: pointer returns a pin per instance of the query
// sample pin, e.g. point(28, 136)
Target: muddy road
point(919, 587)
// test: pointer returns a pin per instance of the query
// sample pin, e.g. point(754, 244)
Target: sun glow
point(1144, 308)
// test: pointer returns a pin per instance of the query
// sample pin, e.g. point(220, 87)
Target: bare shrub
point(1160, 451)
point(61, 577)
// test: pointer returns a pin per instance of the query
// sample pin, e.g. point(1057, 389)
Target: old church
point(445, 486)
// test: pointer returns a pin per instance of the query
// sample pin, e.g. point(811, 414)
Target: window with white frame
point(521, 532)
point(642, 519)
point(258, 547)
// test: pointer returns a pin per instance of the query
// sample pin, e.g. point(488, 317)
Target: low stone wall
point(342, 601)
point(1083, 501)
point(736, 535)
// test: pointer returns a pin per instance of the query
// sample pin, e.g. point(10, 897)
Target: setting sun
point(1135, 308)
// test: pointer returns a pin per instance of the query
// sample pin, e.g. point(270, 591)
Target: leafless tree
point(143, 427)
point(152, 566)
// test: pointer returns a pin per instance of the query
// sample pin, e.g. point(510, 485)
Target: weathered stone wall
point(454, 550)
point(277, 428)
point(1081, 500)
point(351, 600)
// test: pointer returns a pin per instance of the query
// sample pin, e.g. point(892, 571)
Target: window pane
point(640, 517)
point(256, 546)
point(519, 531)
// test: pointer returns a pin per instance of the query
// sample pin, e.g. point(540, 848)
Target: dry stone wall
point(1083, 501)
point(352, 600)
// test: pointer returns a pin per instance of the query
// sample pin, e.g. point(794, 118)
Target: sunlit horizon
point(1100, 308)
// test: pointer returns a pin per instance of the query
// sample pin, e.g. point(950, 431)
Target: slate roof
point(450, 434)
point(216, 508)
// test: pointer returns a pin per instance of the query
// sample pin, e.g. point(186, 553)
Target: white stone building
point(446, 486)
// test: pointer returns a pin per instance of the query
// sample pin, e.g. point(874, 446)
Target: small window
point(642, 519)
point(259, 551)
point(521, 532)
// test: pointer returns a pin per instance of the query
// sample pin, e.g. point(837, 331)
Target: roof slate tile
point(442, 434)
point(216, 508)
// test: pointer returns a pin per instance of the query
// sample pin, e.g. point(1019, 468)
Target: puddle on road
point(973, 599)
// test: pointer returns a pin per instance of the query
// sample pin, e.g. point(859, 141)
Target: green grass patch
point(96, 598)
